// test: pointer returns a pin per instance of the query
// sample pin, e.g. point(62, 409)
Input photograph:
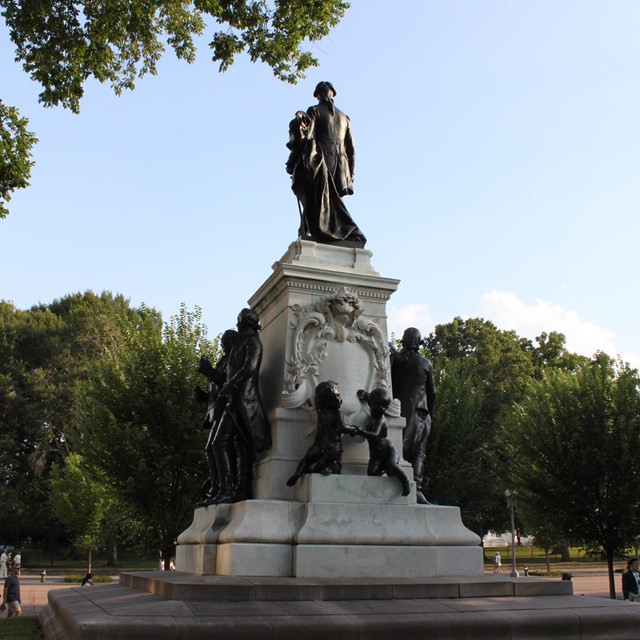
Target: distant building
point(493, 539)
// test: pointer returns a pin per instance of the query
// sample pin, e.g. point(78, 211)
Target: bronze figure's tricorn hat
point(322, 84)
point(250, 318)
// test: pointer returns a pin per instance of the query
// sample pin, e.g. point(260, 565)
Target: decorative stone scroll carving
point(334, 340)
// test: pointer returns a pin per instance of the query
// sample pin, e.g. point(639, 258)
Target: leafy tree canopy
point(481, 371)
point(62, 43)
point(574, 439)
point(82, 502)
point(499, 361)
point(45, 352)
point(15, 154)
point(139, 424)
point(551, 352)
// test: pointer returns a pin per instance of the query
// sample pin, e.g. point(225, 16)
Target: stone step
point(250, 612)
point(182, 586)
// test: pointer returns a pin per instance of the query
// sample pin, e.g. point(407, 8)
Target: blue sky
point(497, 172)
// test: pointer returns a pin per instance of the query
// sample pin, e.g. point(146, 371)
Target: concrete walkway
point(34, 593)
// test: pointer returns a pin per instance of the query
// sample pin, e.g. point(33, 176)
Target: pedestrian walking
point(17, 561)
point(11, 595)
point(497, 563)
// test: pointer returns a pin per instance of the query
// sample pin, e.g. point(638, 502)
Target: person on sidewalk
point(497, 563)
point(88, 579)
point(631, 581)
point(17, 561)
point(11, 594)
point(3, 563)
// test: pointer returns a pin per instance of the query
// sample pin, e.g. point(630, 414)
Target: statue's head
point(248, 318)
point(411, 339)
point(379, 401)
point(324, 92)
point(227, 339)
point(327, 396)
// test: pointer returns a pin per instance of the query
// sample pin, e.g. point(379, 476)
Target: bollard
point(43, 575)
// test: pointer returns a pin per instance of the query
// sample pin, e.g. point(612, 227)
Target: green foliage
point(44, 354)
point(574, 439)
point(29, 346)
point(15, 154)
point(88, 374)
point(460, 461)
point(500, 361)
point(62, 43)
point(82, 501)
point(480, 371)
point(139, 424)
point(551, 352)
point(272, 34)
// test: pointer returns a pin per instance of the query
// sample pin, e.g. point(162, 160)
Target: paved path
point(34, 593)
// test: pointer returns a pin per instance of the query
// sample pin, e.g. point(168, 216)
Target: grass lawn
point(535, 555)
point(35, 560)
point(24, 628)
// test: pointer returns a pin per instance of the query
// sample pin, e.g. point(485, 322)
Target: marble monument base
point(169, 605)
point(340, 526)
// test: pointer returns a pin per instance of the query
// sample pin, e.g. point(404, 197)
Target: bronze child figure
point(383, 457)
point(325, 454)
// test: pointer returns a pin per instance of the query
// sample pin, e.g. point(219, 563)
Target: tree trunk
point(612, 583)
point(112, 549)
point(546, 555)
point(89, 562)
point(565, 553)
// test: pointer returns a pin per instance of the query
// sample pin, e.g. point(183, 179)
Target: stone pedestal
point(323, 316)
point(338, 526)
point(305, 342)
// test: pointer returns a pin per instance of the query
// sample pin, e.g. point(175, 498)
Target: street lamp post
point(511, 504)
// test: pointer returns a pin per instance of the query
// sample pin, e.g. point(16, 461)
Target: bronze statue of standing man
point(244, 430)
point(321, 165)
point(413, 384)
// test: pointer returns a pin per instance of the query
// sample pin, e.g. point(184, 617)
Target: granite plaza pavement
point(158, 605)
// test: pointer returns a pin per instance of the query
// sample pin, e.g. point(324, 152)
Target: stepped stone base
point(339, 526)
point(174, 606)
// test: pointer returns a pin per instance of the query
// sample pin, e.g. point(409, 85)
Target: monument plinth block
point(385, 561)
point(323, 316)
point(341, 526)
